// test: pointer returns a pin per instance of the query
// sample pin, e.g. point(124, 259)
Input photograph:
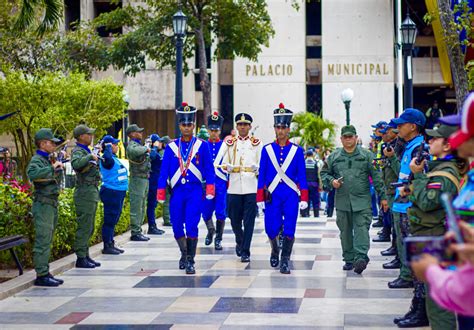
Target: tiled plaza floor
point(143, 289)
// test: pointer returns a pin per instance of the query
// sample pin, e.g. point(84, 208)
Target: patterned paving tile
point(177, 282)
point(73, 318)
point(293, 264)
point(257, 305)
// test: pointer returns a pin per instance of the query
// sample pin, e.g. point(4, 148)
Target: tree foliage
point(42, 15)
point(236, 28)
point(313, 130)
point(57, 101)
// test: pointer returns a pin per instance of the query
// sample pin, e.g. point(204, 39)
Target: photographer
point(453, 290)
point(427, 218)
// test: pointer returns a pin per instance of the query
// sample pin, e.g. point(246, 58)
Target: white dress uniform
point(241, 156)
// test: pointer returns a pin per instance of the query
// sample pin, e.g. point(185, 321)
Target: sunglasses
point(280, 126)
point(186, 124)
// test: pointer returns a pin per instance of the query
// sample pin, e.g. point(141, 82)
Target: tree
point(237, 28)
point(453, 27)
point(313, 130)
point(57, 101)
point(45, 15)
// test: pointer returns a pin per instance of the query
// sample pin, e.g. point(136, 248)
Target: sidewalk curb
point(23, 282)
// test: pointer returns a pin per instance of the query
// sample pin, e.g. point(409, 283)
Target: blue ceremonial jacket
point(214, 147)
point(296, 171)
point(202, 160)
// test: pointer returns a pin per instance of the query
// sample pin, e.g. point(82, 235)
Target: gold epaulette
point(255, 141)
point(230, 141)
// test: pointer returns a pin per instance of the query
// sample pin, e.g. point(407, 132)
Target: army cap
point(82, 129)
point(348, 130)
point(46, 134)
point(133, 128)
point(443, 131)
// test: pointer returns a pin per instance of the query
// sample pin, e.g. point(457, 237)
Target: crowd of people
point(397, 180)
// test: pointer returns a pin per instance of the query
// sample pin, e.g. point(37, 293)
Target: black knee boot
point(418, 316)
point(285, 255)
point(219, 232)
point(275, 254)
point(191, 252)
point(183, 248)
point(211, 230)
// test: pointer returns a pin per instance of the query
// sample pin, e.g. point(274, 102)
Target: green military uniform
point(353, 201)
point(427, 218)
point(166, 209)
point(140, 167)
point(86, 193)
point(45, 203)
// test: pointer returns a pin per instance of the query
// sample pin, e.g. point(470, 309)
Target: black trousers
point(242, 209)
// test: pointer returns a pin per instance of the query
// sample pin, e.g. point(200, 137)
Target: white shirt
point(243, 152)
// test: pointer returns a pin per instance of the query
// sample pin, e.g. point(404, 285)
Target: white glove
point(254, 168)
point(161, 202)
point(229, 167)
point(261, 205)
point(303, 205)
point(209, 196)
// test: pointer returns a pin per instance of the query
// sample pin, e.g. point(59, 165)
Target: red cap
point(467, 124)
point(184, 104)
point(281, 106)
point(216, 113)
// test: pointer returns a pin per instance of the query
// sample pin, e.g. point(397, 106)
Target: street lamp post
point(346, 97)
point(179, 28)
point(408, 33)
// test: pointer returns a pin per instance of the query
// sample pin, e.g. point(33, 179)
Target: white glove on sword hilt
point(303, 205)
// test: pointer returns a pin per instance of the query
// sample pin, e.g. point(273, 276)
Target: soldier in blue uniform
point(282, 187)
point(155, 159)
point(218, 204)
point(186, 163)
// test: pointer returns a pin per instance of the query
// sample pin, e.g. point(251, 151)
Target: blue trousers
point(282, 210)
point(151, 200)
point(185, 209)
point(330, 203)
point(113, 204)
point(217, 204)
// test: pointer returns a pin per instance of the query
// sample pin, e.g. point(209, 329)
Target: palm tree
point(50, 13)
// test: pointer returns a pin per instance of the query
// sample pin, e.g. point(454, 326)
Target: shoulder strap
point(446, 175)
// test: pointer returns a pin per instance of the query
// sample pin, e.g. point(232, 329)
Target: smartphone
point(434, 245)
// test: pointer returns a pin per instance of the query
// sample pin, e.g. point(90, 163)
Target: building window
point(314, 99)
point(101, 7)
point(313, 18)
point(72, 14)
point(313, 52)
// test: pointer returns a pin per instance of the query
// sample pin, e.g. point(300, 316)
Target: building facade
point(318, 50)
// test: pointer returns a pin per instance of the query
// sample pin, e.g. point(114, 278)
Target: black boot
point(280, 239)
point(60, 281)
point(46, 281)
point(400, 283)
point(154, 230)
point(285, 255)
point(84, 263)
point(211, 230)
point(394, 264)
point(219, 232)
point(191, 252)
point(408, 314)
point(316, 212)
point(92, 261)
point(391, 251)
point(275, 254)
point(117, 248)
point(418, 316)
point(109, 249)
point(384, 235)
point(183, 248)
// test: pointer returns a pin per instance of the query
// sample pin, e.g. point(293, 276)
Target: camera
point(436, 246)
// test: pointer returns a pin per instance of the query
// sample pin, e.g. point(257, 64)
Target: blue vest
point(405, 172)
point(116, 178)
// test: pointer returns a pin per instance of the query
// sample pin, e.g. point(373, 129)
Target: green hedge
point(16, 218)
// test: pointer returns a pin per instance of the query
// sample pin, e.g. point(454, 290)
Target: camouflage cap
point(82, 129)
point(348, 130)
point(46, 134)
point(443, 131)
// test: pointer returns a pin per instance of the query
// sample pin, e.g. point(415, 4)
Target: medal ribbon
point(184, 167)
